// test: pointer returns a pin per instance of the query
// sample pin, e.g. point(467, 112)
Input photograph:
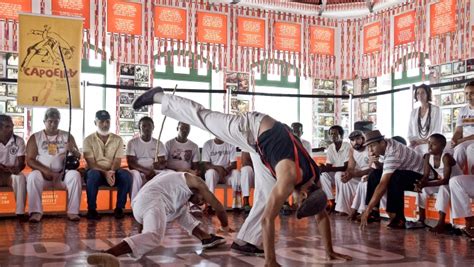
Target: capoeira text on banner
point(41, 77)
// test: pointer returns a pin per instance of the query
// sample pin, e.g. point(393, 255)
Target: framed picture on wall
point(364, 86)
point(127, 70)
point(18, 121)
point(12, 60)
point(372, 107)
point(470, 64)
point(126, 113)
point(12, 73)
point(243, 82)
point(126, 126)
point(446, 99)
point(446, 120)
point(3, 106)
point(437, 100)
point(372, 118)
point(3, 89)
point(459, 98)
point(126, 98)
point(373, 82)
point(459, 85)
point(459, 67)
point(142, 73)
point(446, 69)
point(243, 106)
point(446, 87)
point(347, 87)
point(142, 84)
point(12, 89)
point(434, 74)
point(455, 114)
point(13, 108)
point(127, 81)
point(231, 77)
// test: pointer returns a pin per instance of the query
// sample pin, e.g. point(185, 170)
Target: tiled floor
point(57, 242)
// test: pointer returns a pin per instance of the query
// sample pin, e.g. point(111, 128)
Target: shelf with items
point(323, 111)
point(450, 98)
point(368, 106)
point(9, 93)
point(131, 75)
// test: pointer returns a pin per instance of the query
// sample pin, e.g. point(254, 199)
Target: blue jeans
point(94, 179)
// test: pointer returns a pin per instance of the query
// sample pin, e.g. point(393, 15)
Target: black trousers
point(401, 180)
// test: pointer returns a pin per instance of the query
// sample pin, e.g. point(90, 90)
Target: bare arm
point(378, 194)
point(133, 164)
point(72, 147)
point(456, 136)
point(448, 162)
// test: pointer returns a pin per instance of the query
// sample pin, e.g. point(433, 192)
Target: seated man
point(358, 166)
point(247, 179)
point(402, 168)
point(219, 160)
point(141, 153)
point(462, 192)
point(270, 143)
point(463, 136)
point(182, 153)
point(445, 167)
point(45, 152)
point(161, 200)
point(297, 129)
point(336, 163)
point(103, 152)
point(12, 162)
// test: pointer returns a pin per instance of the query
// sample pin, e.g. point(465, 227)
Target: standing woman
point(425, 120)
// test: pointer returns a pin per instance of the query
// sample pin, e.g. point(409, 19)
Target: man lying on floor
point(161, 200)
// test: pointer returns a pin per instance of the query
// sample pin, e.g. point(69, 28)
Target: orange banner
point(212, 28)
point(442, 17)
point(73, 8)
point(251, 32)
point(9, 8)
point(124, 17)
point(170, 23)
point(372, 38)
point(404, 28)
point(287, 36)
point(321, 40)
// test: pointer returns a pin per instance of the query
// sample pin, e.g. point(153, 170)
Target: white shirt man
point(221, 166)
point(141, 153)
point(182, 154)
point(12, 162)
point(464, 134)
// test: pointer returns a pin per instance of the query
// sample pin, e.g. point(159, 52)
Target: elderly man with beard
point(103, 152)
point(358, 166)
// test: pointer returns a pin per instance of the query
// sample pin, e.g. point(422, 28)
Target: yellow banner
point(41, 75)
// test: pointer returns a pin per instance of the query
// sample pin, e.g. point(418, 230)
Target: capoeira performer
point(443, 163)
point(282, 153)
point(161, 200)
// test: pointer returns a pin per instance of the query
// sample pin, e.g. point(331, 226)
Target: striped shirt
point(400, 157)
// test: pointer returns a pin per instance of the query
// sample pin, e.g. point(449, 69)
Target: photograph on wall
point(364, 86)
point(127, 126)
point(243, 82)
point(126, 113)
point(12, 60)
point(459, 98)
point(470, 64)
point(459, 85)
point(127, 81)
point(347, 87)
point(455, 114)
point(127, 70)
point(13, 108)
point(459, 67)
point(437, 100)
point(18, 121)
point(372, 118)
point(372, 107)
point(12, 73)
point(328, 85)
point(328, 120)
point(142, 84)
point(446, 69)
point(231, 88)
point(373, 82)
point(234, 104)
point(446, 99)
point(364, 110)
point(446, 87)
point(2, 69)
point(446, 120)
point(3, 106)
point(325, 105)
point(243, 106)
point(126, 98)
point(12, 89)
point(3, 89)
point(143, 109)
point(434, 74)
point(231, 77)
point(142, 73)
point(345, 107)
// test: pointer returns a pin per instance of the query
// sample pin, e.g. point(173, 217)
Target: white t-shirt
point(219, 155)
point(466, 121)
point(361, 159)
point(435, 124)
point(181, 155)
point(338, 158)
point(400, 157)
point(51, 149)
point(144, 151)
point(306, 145)
point(14, 148)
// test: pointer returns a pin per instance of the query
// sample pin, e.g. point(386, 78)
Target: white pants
point(461, 153)
point(442, 197)
point(345, 193)
point(359, 199)
point(35, 183)
point(18, 183)
point(247, 180)
point(212, 179)
point(462, 190)
point(238, 130)
point(470, 158)
point(328, 179)
point(152, 215)
point(138, 179)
